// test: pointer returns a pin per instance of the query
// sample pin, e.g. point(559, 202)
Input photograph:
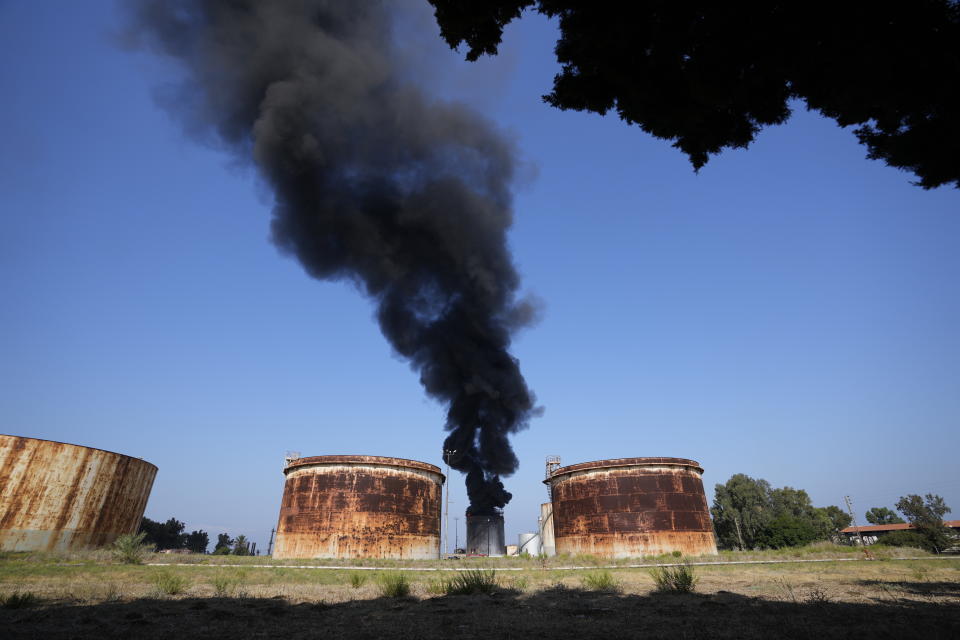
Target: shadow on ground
point(554, 614)
point(922, 588)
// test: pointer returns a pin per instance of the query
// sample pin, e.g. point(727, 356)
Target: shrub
point(225, 584)
point(677, 553)
point(357, 580)
point(130, 549)
point(170, 583)
point(394, 585)
point(472, 582)
point(19, 600)
point(113, 592)
point(817, 595)
point(601, 581)
point(679, 579)
point(906, 539)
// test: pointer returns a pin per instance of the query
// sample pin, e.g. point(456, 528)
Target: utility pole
point(854, 518)
point(446, 509)
point(456, 534)
point(270, 546)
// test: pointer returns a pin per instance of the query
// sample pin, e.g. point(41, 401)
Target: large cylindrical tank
point(548, 544)
point(359, 507)
point(528, 543)
point(58, 497)
point(631, 507)
point(485, 535)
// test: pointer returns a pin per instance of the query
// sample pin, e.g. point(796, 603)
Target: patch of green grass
point(357, 579)
point(225, 584)
point(602, 581)
point(918, 573)
point(394, 585)
point(679, 579)
point(436, 587)
point(472, 582)
point(19, 600)
point(169, 583)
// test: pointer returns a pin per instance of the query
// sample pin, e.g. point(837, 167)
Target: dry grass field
point(89, 596)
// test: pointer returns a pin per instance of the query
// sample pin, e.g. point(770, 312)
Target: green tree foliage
point(749, 514)
point(224, 544)
point(241, 546)
point(164, 535)
point(792, 502)
point(795, 520)
point(838, 519)
point(197, 541)
point(786, 530)
point(905, 539)
point(882, 515)
point(926, 516)
point(741, 510)
point(710, 75)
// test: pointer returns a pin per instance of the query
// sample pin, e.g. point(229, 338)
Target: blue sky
point(790, 313)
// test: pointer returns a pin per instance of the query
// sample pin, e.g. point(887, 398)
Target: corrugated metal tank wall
point(58, 497)
point(360, 507)
point(485, 535)
point(631, 507)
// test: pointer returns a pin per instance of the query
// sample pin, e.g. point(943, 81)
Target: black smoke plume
point(374, 182)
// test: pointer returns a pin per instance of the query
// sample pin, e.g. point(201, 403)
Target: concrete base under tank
point(313, 545)
point(634, 545)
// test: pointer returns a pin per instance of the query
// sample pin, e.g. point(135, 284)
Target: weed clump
point(225, 584)
point(129, 548)
point(169, 583)
point(602, 581)
point(394, 585)
point(817, 595)
point(357, 580)
point(679, 579)
point(472, 582)
point(19, 600)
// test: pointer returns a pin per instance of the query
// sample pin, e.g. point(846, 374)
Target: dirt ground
point(823, 601)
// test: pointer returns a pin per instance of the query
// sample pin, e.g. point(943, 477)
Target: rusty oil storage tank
point(58, 497)
point(359, 507)
point(631, 507)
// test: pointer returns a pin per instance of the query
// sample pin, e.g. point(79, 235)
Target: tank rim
point(625, 462)
point(384, 461)
point(80, 446)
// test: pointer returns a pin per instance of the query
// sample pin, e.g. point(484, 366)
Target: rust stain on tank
point(360, 507)
point(58, 496)
point(630, 507)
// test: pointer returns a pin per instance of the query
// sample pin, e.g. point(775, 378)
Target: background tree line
point(925, 514)
point(171, 535)
point(749, 514)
